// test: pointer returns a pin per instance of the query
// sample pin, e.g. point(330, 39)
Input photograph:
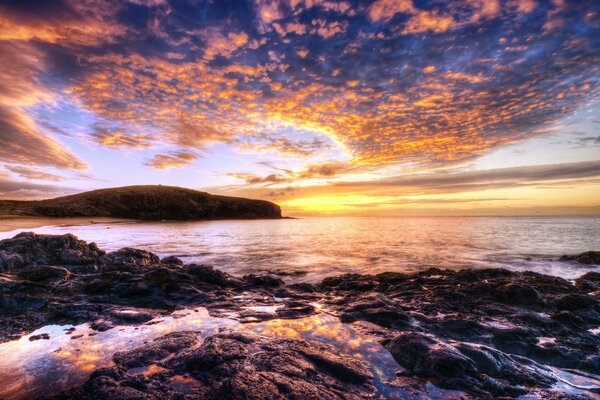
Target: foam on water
point(313, 248)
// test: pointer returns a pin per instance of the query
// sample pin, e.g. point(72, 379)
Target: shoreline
point(474, 333)
point(13, 222)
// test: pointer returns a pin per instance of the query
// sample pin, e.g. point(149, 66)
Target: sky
point(389, 107)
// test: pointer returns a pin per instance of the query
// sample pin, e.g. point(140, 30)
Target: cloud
point(382, 10)
point(283, 145)
point(31, 173)
point(173, 159)
point(20, 190)
point(462, 181)
point(21, 139)
point(118, 139)
point(253, 179)
point(393, 83)
point(21, 143)
point(65, 22)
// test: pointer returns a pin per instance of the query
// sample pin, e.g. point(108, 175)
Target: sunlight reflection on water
point(313, 248)
point(30, 368)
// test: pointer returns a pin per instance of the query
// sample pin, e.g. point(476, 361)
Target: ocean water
point(310, 249)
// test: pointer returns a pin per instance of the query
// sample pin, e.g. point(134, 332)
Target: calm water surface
point(312, 248)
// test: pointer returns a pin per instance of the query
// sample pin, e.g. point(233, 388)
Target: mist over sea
point(309, 249)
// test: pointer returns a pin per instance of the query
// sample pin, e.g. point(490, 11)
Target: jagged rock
point(29, 248)
point(232, 366)
point(486, 324)
point(588, 257)
point(518, 294)
point(129, 256)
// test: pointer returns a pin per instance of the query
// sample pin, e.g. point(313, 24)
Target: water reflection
point(29, 368)
point(310, 249)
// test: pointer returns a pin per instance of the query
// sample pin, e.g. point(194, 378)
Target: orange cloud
point(119, 139)
point(382, 10)
point(429, 21)
point(31, 173)
point(174, 159)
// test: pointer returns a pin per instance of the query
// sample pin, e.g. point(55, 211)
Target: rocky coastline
point(488, 333)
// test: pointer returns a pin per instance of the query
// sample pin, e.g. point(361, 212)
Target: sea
point(310, 249)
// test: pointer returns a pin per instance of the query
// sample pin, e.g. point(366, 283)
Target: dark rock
point(588, 257)
point(588, 282)
point(262, 281)
point(129, 256)
point(207, 274)
point(44, 336)
point(427, 356)
point(518, 294)
point(574, 301)
point(233, 366)
point(172, 260)
point(40, 273)
point(477, 331)
point(29, 248)
point(157, 350)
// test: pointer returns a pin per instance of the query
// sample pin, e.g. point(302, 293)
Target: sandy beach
point(10, 223)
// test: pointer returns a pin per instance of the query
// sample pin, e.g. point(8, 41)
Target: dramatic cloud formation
point(319, 91)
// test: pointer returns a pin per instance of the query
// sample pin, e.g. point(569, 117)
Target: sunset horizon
point(326, 108)
point(299, 199)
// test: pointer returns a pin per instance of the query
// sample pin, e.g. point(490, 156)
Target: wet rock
point(40, 273)
point(574, 301)
point(233, 366)
point(588, 257)
point(588, 282)
point(376, 310)
point(476, 331)
point(129, 256)
point(9, 260)
point(476, 369)
point(262, 281)
point(426, 356)
point(30, 248)
point(157, 350)
point(295, 309)
point(44, 336)
point(207, 274)
point(518, 294)
point(171, 260)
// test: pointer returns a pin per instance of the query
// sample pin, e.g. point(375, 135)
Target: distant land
point(151, 202)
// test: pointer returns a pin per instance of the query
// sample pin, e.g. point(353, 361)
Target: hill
point(146, 203)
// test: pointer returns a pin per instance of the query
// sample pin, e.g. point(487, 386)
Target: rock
point(574, 301)
point(588, 257)
point(479, 370)
point(171, 260)
point(40, 273)
point(129, 256)
point(475, 331)
point(427, 356)
point(233, 366)
point(262, 281)
point(207, 274)
point(156, 350)
point(518, 294)
point(31, 248)
point(588, 282)
point(44, 336)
